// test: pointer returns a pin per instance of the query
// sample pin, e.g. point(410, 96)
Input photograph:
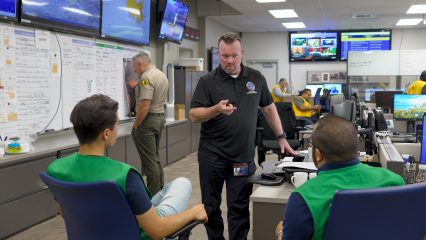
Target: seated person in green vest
point(95, 123)
point(419, 86)
point(335, 154)
point(280, 90)
point(303, 109)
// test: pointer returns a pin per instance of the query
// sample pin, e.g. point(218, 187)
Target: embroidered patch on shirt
point(250, 87)
point(144, 82)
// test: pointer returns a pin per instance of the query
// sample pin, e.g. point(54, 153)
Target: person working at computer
point(335, 154)
point(418, 86)
point(280, 90)
point(303, 109)
point(95, 123)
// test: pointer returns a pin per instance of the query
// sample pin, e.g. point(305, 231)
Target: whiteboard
point(413, 62)
point(373, 63)
point(41, 80)
point(393, 62)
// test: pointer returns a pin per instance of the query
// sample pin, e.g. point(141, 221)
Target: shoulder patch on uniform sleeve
point(144, 82)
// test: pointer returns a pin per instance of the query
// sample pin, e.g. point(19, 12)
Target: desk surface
point(272, 194)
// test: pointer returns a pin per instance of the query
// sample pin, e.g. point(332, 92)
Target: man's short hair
point(93, 115)
point(336, 138)
point(282, 80)
point(306, 90)
point(143, 56)
point(228, 38)
point(423, 76)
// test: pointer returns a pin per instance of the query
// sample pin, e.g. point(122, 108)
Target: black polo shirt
point(233, 136)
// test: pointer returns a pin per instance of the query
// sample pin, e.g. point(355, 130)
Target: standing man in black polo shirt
point(226, 102)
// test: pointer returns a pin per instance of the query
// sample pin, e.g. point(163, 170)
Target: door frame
point(253, 61)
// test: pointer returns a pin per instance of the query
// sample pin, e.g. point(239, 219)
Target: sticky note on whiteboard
point(54, 68)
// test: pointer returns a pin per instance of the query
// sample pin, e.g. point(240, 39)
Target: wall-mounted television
point(313, 46)
point(72, 16)
point(126, 22)
point(333, 88)
point(370, 40)
point(174, 21)
point(409, 107)
point(8, 10)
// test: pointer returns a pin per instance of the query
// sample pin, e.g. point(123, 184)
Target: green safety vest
point(83, 168)
point(319, 192)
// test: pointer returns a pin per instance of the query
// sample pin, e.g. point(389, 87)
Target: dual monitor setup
point(335, 45)
point(119, 20)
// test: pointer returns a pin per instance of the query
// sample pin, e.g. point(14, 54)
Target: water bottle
point(405, 173)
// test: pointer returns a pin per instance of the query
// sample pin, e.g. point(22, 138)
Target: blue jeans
point(173, 198)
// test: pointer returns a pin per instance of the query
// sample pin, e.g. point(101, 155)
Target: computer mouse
point(269, 176)
point(395, 133)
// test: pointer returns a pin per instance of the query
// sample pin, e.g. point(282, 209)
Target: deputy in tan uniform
point(150, 95)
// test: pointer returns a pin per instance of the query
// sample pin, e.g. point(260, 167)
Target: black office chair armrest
point(184, 232)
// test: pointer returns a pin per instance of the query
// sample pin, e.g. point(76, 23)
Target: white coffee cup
point(299, 178)
point(1, 152)
point(312, 175)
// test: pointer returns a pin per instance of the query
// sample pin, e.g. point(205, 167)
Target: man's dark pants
point(214, 171)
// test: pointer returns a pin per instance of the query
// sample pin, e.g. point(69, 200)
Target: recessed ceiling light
point(409, 21)
point(283, 13)
point(269, 1)
point(414, 9)
point(294, 25)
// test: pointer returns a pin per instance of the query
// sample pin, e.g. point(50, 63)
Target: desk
point(269, 203)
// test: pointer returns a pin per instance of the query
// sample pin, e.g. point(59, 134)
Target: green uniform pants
point(147, 141)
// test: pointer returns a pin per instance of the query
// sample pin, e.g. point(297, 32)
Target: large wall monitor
point(374, 40)
point(313, 46)
point(333, 88)
point(174, 20)
point(8, 10)
point(77, 16)
point(127, 21)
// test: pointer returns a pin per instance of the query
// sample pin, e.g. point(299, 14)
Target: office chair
point(99, 210)
point(381, 213)
point(266, 139)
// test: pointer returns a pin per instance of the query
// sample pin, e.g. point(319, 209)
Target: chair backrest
point(317, 97)
point(288, 122)
point(381, 213)
point(93, 210)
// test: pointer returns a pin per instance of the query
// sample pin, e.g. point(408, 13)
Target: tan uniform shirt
point(153, 85)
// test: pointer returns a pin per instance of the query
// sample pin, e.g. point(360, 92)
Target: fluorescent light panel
point(283, 13)
point(294, 25)
point(409, 21)
point(415, 9)
point(269, 1)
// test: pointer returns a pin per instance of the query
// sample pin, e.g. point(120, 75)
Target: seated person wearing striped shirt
point(335, 154)
point(95, 123)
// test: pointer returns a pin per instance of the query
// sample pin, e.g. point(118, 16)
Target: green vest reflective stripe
point(83, 168)
point(318, 192)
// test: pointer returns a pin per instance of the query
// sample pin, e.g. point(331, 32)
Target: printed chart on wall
point(44, 74)
point(26, 83)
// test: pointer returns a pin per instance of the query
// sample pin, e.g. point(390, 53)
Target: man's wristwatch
point(282, 136)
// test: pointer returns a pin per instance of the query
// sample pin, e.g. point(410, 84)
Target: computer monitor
point(314, 87)
point(423, 151)
point(384, 100)
point(345, 110)
point(368, 93)
point(336, 99)
point(333, 88)
point(408, 107)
